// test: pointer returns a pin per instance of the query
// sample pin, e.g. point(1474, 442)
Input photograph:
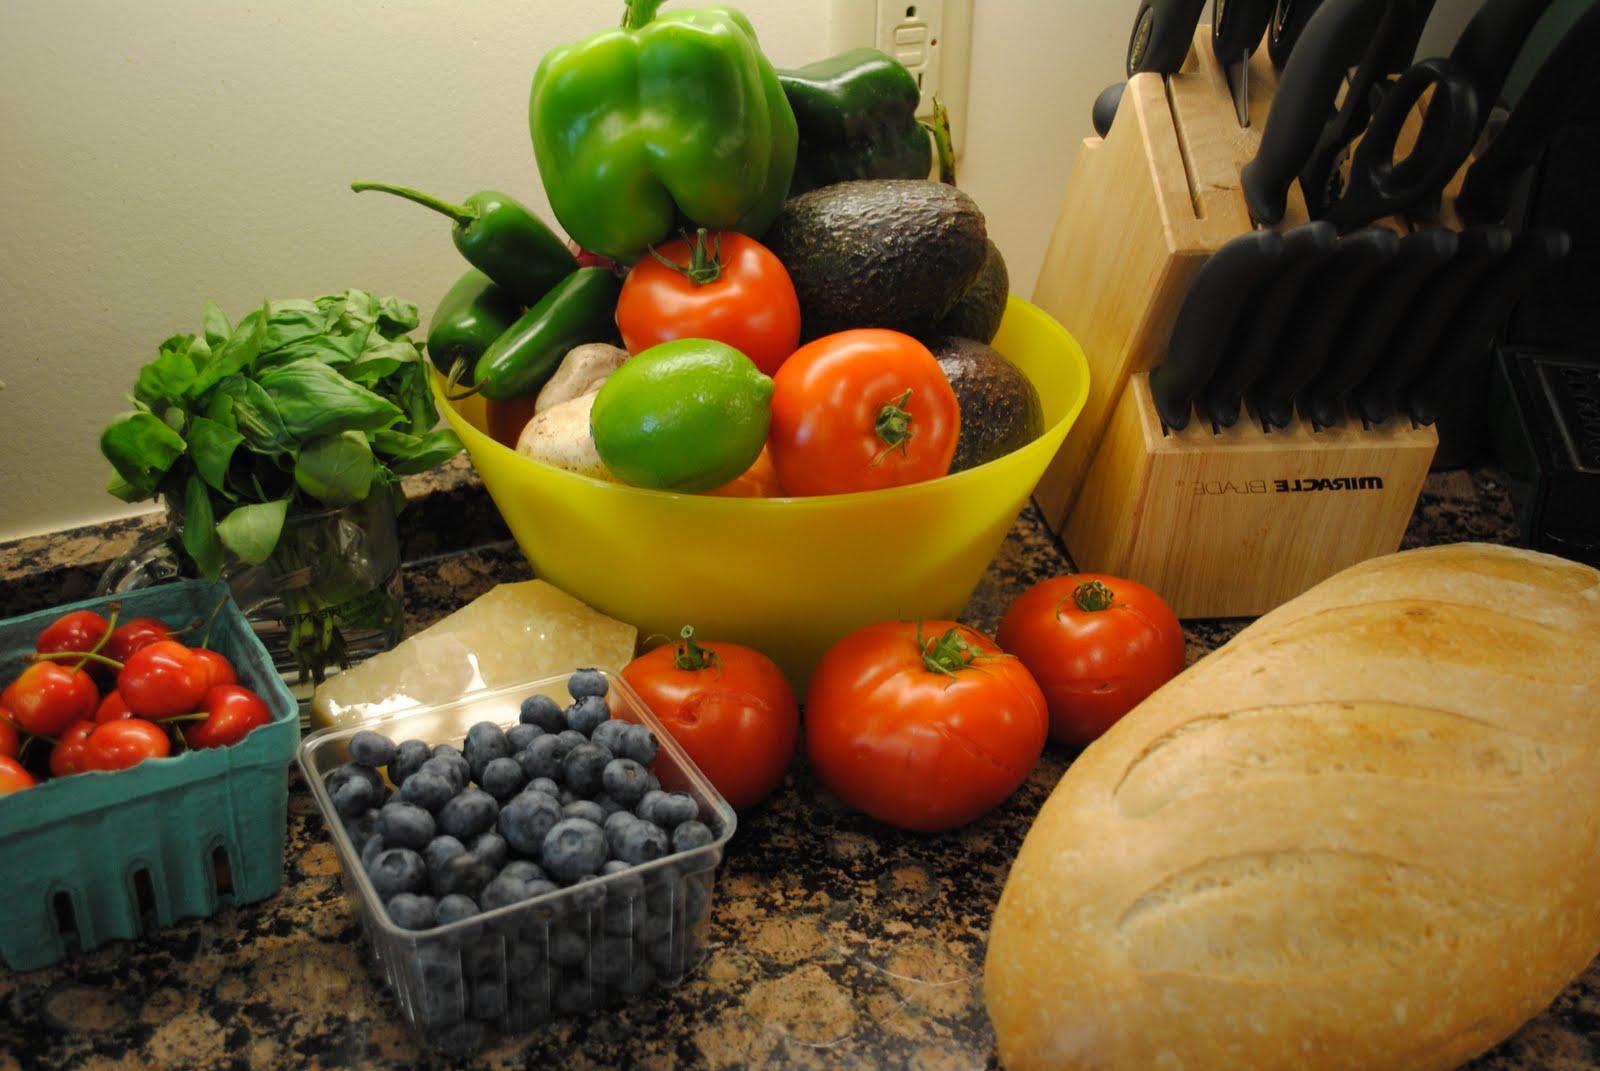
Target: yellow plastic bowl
point(787, 576)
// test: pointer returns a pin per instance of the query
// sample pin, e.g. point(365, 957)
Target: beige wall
point(156, 153)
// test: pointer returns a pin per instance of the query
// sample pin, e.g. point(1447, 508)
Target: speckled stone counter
point(834, 942)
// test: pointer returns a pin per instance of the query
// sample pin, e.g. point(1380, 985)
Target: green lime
point(688, 415)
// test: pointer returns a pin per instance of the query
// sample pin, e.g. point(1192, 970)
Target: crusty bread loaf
point(1365, 834)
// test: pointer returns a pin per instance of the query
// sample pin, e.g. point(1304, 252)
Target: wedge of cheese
point(514, 632)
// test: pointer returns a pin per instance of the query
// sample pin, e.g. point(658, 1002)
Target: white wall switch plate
point(931, 38)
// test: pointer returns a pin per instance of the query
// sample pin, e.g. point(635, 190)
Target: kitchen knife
point(1326, 302)
point(1335, 39)
point(1237, 27)
point(1466, 340)
point(1288, 19)
point(1426, 321)
point(1217, 297)
point(1567, 79)
point(1163, 30)
point(1382, 303)
point(1257, 331)
point(1105, 107)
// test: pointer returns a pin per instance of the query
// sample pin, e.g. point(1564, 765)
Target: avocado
point(977, 312)
point(893, 253)
point(1000, 410)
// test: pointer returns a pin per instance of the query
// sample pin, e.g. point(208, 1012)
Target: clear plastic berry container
point(591, 945)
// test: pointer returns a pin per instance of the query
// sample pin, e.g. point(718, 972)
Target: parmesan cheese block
point(514, 632)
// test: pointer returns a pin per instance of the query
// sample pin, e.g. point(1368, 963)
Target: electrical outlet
point(931, 38)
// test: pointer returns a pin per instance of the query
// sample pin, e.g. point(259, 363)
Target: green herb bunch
point(303, 405)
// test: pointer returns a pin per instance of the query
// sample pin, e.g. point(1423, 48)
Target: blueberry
point(584, 767)
point(541, 887)
point(441, 850)
point(578, 994)
point(412, 912)
point(669, 809)
point(624, 780)
point(641, 976)
point(522, 870)
point(473, 811)
point(370, 851)
point(616, 819)
point(691, 835)
point(455, 775)
point(371, 749)
point(546, 785)
point(608, 805)
point(405, 825)
point(354, 796)
point(610, 734)
point(666, 954)
point(587, 683)
point(657, 920)
point(587, 715)
point(612, 958)
point(502, 778)
point(502, 891)
point(488, 999)
point(454, 908)
point(485, 741)
point(541, 760)
point(639, 842)
point(696, 898)
point(492, 848)
point(566, 797)
point(628, 887)
point(567, 948)
point(639, 744)
point(340, 774)
point(457, 759)
point(397, 870)
point(646, 807)
point(408, 758)
point(428, 789)
point(363, 827)
point(574, 848)
point(526, 819)
point(572, 738)
point(544, 712)
point(465, 874)
point(520, 736)
point(584, 809)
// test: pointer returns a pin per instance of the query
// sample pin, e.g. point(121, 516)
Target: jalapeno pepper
point(471, 315)
point(581, 308)
point(500, 237)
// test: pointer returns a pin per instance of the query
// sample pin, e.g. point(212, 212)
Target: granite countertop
point(834, 942)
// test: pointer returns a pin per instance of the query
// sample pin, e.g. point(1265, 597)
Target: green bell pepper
point(857, 114)
point(666, 122)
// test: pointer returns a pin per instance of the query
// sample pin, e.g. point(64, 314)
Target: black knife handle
point(1333, 41)
point(1414, 338)
point(1325, 303)
point(1217, 296)
point(1465, 341)
point(1163, 30)
point(1288, 20)
point(1566, 79)
point(1237, 27)
point(1381, 305)
point(1257, 331)
point(1105, 107)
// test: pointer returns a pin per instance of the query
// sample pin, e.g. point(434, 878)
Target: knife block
point(1197, 515)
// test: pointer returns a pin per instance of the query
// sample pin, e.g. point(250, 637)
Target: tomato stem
point(893, 426)
point(705, 265)
point(84, 656)
point(690, 655)
point(948, 652)
point(1093, 596)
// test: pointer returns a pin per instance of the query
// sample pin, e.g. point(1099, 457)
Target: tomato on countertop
point(925, 726)
point(1097, 645)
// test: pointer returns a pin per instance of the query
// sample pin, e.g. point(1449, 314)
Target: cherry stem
point(198, 715)
point(85, 656)
point(205, 641)
point(690, 655)
point(115, 606)
point(893, 426)
point(705, 265)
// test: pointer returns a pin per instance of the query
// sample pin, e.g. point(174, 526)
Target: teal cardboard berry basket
point(110, 855)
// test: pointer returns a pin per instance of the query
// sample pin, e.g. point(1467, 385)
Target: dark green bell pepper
point(471, 315)
point(669, 121)
point(857, 114)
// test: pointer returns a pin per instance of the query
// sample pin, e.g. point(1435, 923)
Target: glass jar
point(329, 596)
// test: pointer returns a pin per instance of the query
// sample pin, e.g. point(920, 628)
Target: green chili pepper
point(580, 308)
point(857, 114)
point(669, 120)
point(500, 237)
point(471, 315)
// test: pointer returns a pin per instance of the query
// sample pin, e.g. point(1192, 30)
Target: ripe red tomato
point(130, 636)
point(859, 411)
point(923, 726)
point(70, 752)
point(730, 707)
point(217, 665)
point(13, 777)
point(163, 680)
point(79, 631)
point(117, 745)
point(723, 286)
point(49, 696)
point(233, 711)
point(8, 735)
point(1098, 645)
point(112, 707)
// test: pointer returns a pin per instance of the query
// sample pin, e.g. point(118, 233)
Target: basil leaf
point(407, 454)
point(216, 325)
point(211, 446)
point(336, 469)
point(293, 321)
point(396, 316)
point(235, 355)
point(355, 310)
point(141, 448)
point(124, 490)
point(329, 349)
point(314, 399)
point(251, 410)
point(251, 532)
point(200, 528)
point(412, 393)
point(381, 360)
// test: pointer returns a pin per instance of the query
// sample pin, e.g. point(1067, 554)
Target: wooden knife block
point(1196, 515)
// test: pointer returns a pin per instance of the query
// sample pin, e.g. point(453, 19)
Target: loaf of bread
point(1363, 835)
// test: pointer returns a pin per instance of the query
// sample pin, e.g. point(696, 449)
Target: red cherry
point(117, 745)
point(131, 636)
point(163, 680)
point(68, 756)
point(220, 668)
point(13, 778)
point(112, 707)
point(233, 711)
point(48, 696)
point(79, 631)
point(8, 735)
